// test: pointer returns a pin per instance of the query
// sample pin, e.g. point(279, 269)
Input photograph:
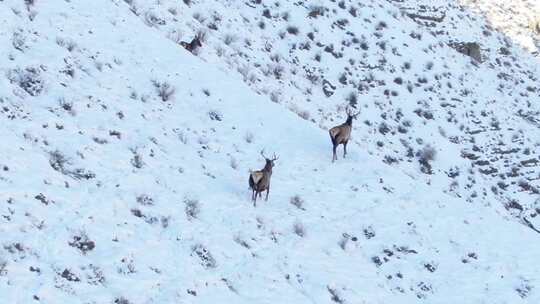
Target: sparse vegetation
point(206, 258)
point(298, 202)
point(164, 90)
point(293, 30)
point(316, 11)
point(29, 79)
point(229, 39)
point(192, 208)
point(299, 229)
point(172, 154)
point(68, 44)
point(249, 137)
point(137, 159)
point(425, 156)
point(83, 243)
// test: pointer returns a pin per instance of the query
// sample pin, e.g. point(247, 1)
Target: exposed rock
point(471, 49)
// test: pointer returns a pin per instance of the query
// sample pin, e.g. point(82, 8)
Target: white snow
point(152, 203)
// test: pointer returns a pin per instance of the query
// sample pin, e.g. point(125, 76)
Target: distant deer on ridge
point(195, 43)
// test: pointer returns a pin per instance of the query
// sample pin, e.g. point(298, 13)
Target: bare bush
point(192, 208)
point(67, 106)
point(234, 163)
point(298, 202)
point(82, 242)
point(304, 114)
point(229, 39)
point(3, 268)
point(173, 11)
point(58, 161)
point(121, 300)
point(145, 200)
point(316, 11)
point(28, 79)
point(182, 136)
point(275, 96)
point(352, 99)
point(343, 241)
point(137, 159)
point(207, 260)
point(68, 44)
point(266, 13)
point(215, 115)
point(353, 11)
point(277, 70)
point(425, 156)
point(18, 40)
point(299, 229)
point(249, 137)
point(293, 30)
point(152, 19)
point(334, 295)
point(164, 90)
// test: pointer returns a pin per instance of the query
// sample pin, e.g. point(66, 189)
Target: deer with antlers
point(342, 133)
point(259, 181)
point(195, 43)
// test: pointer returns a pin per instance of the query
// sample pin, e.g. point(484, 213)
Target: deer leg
point(344, 149)
point(334, 157)
point(255, 199)
point(267, 192)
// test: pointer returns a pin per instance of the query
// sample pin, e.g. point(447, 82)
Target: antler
point(356, 114)
point(201, 35)
point(274, 157)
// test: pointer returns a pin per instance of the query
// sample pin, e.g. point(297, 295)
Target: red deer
point(342, 133)
point(194, 44)
point(259, 181)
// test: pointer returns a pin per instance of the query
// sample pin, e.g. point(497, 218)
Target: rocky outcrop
point(471, 49)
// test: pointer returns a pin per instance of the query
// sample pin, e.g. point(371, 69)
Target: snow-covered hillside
point(125, 158)
point(428, 75)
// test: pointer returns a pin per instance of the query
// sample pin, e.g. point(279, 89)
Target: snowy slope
point(399, 62)
point(118, 189)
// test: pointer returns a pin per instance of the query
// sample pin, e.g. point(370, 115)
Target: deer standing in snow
point(342, 133)
point(259, 181)
point(194, 44)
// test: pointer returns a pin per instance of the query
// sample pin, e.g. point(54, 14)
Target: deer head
point(196, 42)
point(351, 115)
point(198, 39)
point(269, 161)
